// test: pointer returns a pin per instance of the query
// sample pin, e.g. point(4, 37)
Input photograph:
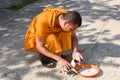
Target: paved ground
point(99, 38)
point(8, 3)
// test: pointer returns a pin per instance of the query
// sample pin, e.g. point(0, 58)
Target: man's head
point(70, 21)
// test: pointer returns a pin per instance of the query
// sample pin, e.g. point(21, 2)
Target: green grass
point(19, 6)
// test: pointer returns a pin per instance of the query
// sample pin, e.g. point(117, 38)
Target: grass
point(21, 5)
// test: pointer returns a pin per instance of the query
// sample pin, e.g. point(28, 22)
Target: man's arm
point(41, 48)
point(74, 42)
point(76, 53)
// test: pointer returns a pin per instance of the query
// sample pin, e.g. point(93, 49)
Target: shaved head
point(73, 17)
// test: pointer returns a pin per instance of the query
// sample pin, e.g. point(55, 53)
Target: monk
point(51, 32)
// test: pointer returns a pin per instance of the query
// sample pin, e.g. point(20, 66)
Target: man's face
point(68, 27)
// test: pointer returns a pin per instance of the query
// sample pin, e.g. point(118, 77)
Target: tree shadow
point(95, 53)
point(15, 61)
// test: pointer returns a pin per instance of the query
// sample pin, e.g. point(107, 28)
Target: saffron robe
point(43, 26)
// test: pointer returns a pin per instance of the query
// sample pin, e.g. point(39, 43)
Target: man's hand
point(65, 65)
point(77, 55)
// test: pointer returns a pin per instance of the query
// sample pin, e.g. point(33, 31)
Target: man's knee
point(52, 37)
point(53, 43)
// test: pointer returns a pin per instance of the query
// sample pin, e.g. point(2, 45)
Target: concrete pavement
point(99, 38)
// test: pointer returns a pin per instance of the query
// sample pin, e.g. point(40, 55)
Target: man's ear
point(66, 22)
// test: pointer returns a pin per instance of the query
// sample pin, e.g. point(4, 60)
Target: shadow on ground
point(15, 61)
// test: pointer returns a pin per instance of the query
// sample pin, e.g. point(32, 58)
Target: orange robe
point(43, 26)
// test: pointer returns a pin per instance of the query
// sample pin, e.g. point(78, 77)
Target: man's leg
point(65, 39)
point(52, 44)
point(57, 44)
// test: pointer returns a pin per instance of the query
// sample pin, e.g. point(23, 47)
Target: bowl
point(86, 66)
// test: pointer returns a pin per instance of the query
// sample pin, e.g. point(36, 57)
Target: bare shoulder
point(40, 40)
